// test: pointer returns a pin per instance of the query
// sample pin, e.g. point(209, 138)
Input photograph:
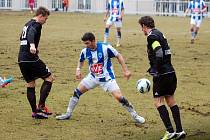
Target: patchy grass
point(98, 116)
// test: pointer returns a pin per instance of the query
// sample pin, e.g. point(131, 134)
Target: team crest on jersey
point(99, 55)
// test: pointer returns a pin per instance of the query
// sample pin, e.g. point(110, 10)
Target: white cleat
point(118, 45)
point(65, 116)
point(139, 119)
point(180, 135)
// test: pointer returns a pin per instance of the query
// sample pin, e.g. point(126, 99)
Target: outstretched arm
point(78, 72)
point(126, 72)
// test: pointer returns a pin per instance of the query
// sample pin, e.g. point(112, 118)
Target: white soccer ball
point(143, 85)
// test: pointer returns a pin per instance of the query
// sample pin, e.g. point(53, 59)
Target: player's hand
point(78, 75)
point(104, 19)
point(33, 50)
point(127, 74)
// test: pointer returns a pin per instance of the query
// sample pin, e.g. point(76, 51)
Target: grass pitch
point(98, 116)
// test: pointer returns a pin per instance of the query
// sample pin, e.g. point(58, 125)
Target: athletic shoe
point(137, 118)
point(180, 135)
point(65, 116)
point(4, 82)
point(168, 136)
point(118, 45)
point(44, 110)
point(39, 115)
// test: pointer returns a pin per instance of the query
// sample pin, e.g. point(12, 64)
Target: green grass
point(98, 116)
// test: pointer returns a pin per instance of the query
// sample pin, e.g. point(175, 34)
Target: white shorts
point(111, 20)
point(196, 22)
point(91, 82)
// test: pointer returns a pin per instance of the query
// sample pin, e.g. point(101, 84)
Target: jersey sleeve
point(82, 55)
point(190, 5)
point(155, 47)
point(112, 52)
point(31, 35)
point(122, 5)
point(108, 5)
point(153, 41)
point(203, 5)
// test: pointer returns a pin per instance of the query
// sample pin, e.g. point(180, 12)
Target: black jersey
point(30, 34)
point(159, 53)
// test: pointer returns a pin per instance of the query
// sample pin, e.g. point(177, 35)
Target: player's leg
point(172, 83)
point(87, 83)
point(31, 5)
point(197, 27)
point(29, 76)
point(42, 71)
point(112, 87)
point(159, 94)
point(109, 23)
point(31, 95)
point(118, 26)
point(192, 28)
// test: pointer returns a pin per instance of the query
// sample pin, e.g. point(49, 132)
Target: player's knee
point(119, 33)
point(191, 29)
point(51, 78)
point(77, 93)
point(31, 84)
point(106, 30)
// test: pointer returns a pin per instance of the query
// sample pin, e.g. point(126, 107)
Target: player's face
point(90, 44)
point(43, 19)
point(144, 30)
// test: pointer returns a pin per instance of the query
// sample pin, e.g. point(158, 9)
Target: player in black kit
point(164, 77)
point(31, 66)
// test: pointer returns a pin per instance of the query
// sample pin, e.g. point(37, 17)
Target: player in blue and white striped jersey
point(197, 9)
point(114, 14)
point(100, 74)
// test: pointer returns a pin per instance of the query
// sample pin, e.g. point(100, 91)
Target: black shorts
point(34, 70)
point(164, 85)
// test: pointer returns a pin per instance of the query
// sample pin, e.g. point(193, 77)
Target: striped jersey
point(196, 6)
point(115, 7)
point(99, 60)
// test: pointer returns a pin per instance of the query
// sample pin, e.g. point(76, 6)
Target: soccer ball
point(143, 85)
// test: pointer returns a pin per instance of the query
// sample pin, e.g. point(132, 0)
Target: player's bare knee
point(31, 84)
point(51, 78)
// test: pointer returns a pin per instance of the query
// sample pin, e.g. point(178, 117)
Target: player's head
point(146, 23)
point(89, 40)
point(42, 14)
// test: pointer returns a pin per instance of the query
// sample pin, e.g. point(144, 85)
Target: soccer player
point(164, 77)
point(197, 8)
point(100, 74)
point(31, 66)
point(114, 13)
point(31, 5)
point(65, 5)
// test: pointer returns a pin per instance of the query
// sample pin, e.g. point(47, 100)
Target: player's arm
point(188, 8)
point(158, 54)
point(30, 37)
point(78, 70)
point(125, 70)
point(107, 11)
point(122, 11)
point(204, 8)
point(80, 64)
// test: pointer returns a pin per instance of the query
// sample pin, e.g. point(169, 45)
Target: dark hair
point(88, 37)
point(42, 11)
point(147, 21)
